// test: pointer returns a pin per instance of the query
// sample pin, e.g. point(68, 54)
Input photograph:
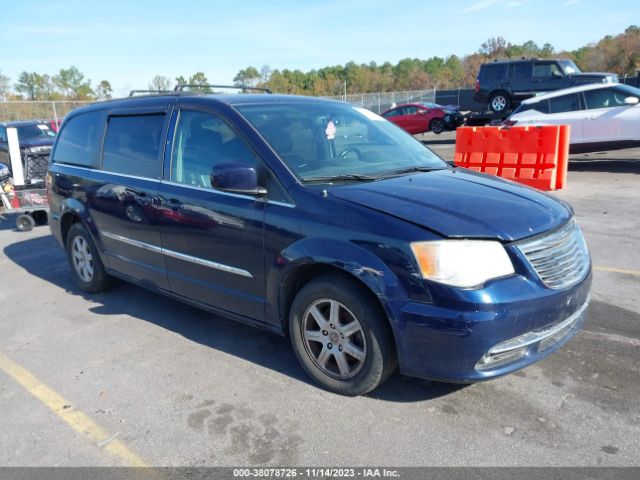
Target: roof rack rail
point(182, 86)
point(133, 93)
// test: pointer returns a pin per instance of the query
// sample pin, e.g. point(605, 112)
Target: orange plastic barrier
point(534, 156)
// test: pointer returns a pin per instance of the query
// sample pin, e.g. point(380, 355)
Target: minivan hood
point(461, 204)
point(594, 75)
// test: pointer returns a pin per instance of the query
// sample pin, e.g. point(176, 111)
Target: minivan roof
point(217, 98)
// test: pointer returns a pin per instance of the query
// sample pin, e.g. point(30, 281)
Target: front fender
point(349, 257)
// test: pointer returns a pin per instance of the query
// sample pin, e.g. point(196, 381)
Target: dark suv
point(503, 84)
point(323, 221)
point(35, 139)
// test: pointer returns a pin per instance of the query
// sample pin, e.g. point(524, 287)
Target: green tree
point(27, 84)
point(199, 82)
point(104, 90)
point(247, 76)
point(4, 86)
point(73, 84)
point(160, 82)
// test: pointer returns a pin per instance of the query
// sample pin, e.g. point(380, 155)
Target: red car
point(424, 117)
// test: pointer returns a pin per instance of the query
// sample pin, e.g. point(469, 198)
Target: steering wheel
point(349, 150)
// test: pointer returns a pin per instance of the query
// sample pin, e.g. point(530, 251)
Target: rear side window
point(494, 72)
point(542, 107)
point(564, 103)
point(78, 141)
point(521, 70)
point(132, 145)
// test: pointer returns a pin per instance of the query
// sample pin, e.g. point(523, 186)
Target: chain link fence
point(37, 110)
point(377, 102)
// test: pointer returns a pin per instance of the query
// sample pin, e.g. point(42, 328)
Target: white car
point(602, 116)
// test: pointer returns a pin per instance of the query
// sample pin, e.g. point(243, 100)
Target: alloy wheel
point(82, 259)
point(334, 339)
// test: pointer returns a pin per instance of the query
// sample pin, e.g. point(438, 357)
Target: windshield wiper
point(403, 171)
point(339, 178)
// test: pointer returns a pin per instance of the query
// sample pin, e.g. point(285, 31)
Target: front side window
point(132, 145)
point(410, 110)
point(564, 103)
point(79, 139)
point(320, 140)
point(201, 141)
point(546, 70)
point(604, 98)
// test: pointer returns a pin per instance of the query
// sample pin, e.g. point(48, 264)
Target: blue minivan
point(324, 222)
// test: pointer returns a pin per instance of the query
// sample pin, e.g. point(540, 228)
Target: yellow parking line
point(77, 420)
point(601, 268)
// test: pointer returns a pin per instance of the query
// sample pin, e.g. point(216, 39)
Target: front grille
point(560, 258)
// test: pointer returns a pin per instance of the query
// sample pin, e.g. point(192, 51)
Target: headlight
point(462, 263)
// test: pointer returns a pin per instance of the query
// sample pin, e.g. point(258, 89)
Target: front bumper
point(474, 335)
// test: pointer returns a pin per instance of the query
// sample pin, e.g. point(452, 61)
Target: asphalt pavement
point(129, 377)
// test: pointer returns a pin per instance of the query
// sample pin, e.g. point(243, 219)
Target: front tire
point(86, 267)
point(341, 336)
point(437, 126)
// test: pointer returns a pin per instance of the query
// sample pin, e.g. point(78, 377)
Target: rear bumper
point(477, 338)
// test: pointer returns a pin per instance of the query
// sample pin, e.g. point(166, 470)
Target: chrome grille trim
point(560, 258)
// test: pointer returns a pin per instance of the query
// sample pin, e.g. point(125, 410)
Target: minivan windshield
point(327, 142)
point(568, 67)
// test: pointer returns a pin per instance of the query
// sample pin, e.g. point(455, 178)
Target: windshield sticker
point(369, 114)
point(331, 130)
point(43, 127)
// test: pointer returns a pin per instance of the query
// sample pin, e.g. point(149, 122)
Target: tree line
point(619, 54)
point(67, 84)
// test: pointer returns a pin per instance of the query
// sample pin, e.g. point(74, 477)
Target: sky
point(129, 42)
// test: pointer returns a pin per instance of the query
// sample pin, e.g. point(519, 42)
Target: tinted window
point(132, 145)
point(542, 107)
point(40, 130)
point(545, 69)
point(564, 103)
point(393, 113)
point(79, 139)
point(493, 72)
point(202, 141)
point(521, 70)
point(3, 134)
point(409, 110)
point(605, 98)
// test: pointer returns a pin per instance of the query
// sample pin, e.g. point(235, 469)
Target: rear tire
point(341, 336)
point(499, 102)
point(86, 267)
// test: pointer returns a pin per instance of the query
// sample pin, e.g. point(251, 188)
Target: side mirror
point(631, 101)
point(236, 177)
